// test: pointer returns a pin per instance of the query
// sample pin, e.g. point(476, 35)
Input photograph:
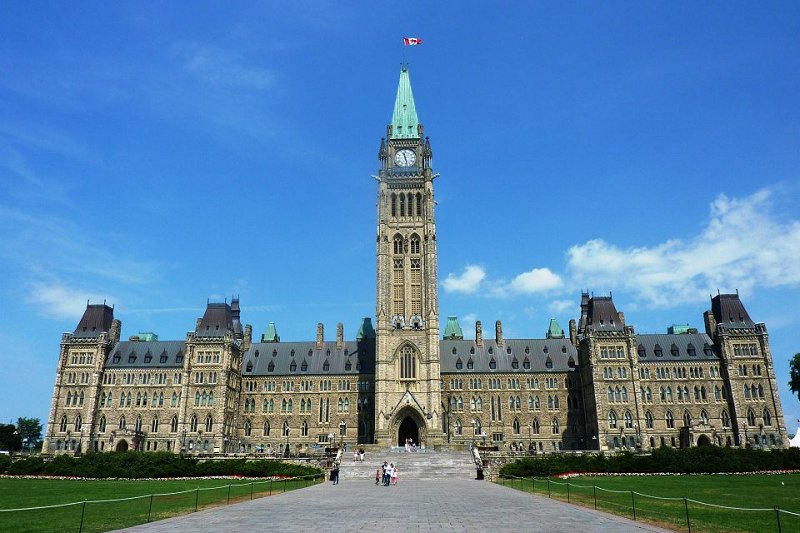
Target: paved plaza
point(446, 504)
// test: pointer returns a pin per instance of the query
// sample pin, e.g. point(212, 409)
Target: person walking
point(378, 474)
point(335, 474)
point(394, 476)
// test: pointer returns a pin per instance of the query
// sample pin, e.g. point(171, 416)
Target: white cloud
point(219, 67)
point(743, 246)
point(57, 300)
point(535, 280)
point(467, 283)
point(556, 307)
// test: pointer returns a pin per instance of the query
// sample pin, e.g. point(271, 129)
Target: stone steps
point(422, 464)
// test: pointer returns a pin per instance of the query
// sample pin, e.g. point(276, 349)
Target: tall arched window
point(394, 205)
point(515, 426)
point(78, 423)
point(687, 419)
point(408, 363)
point(154, 425)
point(535, 426)
point(648, 420)
point(628, 420)
point(726, 419)
point(102, 425)
point(767, 418)
point(402, 205)
point(266, 428)
point(414, 244)
point(248, 428)
point(459, 428)
point(669, 419)
point(193, 423)
point(209, 424)
point(612, 419)
point(419, 204)
point(286, 428)
point(173, 425)
point(555, 427)
point(63, 426)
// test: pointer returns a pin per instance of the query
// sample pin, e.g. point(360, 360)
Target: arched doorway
point(703, 440)
point(122, 446)
point(408, 430)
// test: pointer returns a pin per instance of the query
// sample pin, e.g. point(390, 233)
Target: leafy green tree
point(29, 430)
point(9, 438)
point(794, 374)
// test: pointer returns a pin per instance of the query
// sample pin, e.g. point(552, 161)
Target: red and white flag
point(411, 41)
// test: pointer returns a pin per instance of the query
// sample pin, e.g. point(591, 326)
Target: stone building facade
point(600, 385)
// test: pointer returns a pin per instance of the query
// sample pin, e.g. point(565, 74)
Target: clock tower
point(407, 379)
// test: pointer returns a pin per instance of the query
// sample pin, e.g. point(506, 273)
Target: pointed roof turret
point(366, 331)
point(555, 331)
point(405, 124)
point(271, 335)
point(452, 330)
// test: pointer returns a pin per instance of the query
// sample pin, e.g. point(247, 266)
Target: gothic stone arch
point(403, 424)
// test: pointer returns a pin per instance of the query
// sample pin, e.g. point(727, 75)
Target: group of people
point(410, 445)
point(386, 474)
point(358, 454)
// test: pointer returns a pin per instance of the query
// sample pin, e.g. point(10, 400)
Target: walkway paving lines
point(413, 505)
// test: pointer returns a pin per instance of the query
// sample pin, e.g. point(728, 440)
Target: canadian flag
point(411, 41)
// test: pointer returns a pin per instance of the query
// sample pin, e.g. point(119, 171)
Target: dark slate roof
point(646, 347)
point(360, 354)
point(603, 315)
point(96, 319)
point(216, 321)
point(730, 312)
point(236, 318)
point(559, 351)
point(140, 354)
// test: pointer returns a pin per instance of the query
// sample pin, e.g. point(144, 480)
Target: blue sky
point(157, 155)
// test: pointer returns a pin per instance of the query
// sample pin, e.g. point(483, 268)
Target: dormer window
point(470, 365)
point(274, 353)
point(293, 367)
point(454, 350)
point(707, 350)
point(548, 363)
point(249, 367)
point(690, 350)
point(304, 366)
point(545, 349)
point(491, 350)
point(131, 359)
point(515, 364)
point(179, 358)
point(527, 350)
point(310, 352)
point(657, 350)
point(493, 364)
point(508, 350)
point(641, 351)
point(346, 352)
point(526, 364)
point(348, 365)
point(292, 352)
point(674, 350)
point(459, 364)
point(571, 362)
point(328, 353)
point(163, 357)
point(563, 348)
point(116, 358)
point(326, 366)
point(271, 366)
point(472, 350)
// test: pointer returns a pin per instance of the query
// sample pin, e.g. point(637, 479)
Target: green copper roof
point(404, 119)
point(678, 329)
point(147, 336)
point(271, 335)
point(452, 330)
point(365, 331)
point(554, 331)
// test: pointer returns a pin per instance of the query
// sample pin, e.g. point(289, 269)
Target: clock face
point(405, 158)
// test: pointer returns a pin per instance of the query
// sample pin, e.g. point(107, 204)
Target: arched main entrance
point(122, 446)
point(703, 441)
point(408, 430)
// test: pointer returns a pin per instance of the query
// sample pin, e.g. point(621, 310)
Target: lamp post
point(530, 439)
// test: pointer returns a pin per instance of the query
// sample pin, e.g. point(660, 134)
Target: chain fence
point(103, 515)
point(675, 512)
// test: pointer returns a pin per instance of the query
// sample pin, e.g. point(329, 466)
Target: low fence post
point(284, 484)
point(567, 491)
point(150, 509)
point(251, 490)
point(688, 522)
point(83, 513)
point(778, 516)
point(196, 498)
point(594, 488)
point(270, 487)
point(633, 505)
point(229, 494)
point(533, 481)
point(548, 487)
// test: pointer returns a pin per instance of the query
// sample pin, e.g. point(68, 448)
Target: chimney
point(498, 333)
point(711, 323)
point(478, 333)
point(248, 337)
point(621, 316)
point(339, 336)
point(320, 335)
point(116, 330)
point(573, 333)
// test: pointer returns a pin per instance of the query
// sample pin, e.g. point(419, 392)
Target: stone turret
point(320, 336)
point(498, 333)
point(478, 333)
point(339, 336)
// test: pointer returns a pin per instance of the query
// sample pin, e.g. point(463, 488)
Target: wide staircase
point(419, 464)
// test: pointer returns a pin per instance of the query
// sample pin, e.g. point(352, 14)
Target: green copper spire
point(404, 119)
point(271, 335)
point(453, 330)
point(366, 331)
point(554, 331)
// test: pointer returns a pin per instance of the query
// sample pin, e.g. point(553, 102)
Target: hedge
point(150, 465)
point(699, 460)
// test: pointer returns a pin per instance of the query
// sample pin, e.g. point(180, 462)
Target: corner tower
point(407, 379)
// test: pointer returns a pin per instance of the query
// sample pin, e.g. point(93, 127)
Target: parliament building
point(598, 385)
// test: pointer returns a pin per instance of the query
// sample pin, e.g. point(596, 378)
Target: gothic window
point(394, 205)
point(555, 427)
point(526, 364)
point(419, 204)
point(414, 244)
point(703, 417)
point(687, 419)
point(670, 420)
point(416, 283)
point(209, 424)
point(248, 428)
point(286, 428)
point(304, 429)
point(193, 423)
point(138, 426)
point(122, 423)
point(173, 425)
point(402, 205)
point(612, 419)
point(726, 419)
point(470, 364)
point(515, 426)
point(624, 394)
point(459, 428)
point(648, 420)
point(751, 417)
point(535, 426)
point(493, 364)
point(266, 428)
point(398, 245)
point(628, 420)
point(649, 394)
point(548, 363)
point(760, 392)
point(746, 391)
point(459, 364)
point(408, 363)
point(767, 418)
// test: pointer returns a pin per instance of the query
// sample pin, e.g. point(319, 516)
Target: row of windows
point(752, 392)
point(148, 357)
point(535, 427)
point(514, 403)
point(509, 351)
point(326, 366)
point(742, 370)
point(146, 378)
point(694, 372)
point(286, 429)
point(691, 351)
point(526, 364)
point(74, 377)
point(207, 357)
point(406, 204)
point(82, 358)
point(203, 377)
point(140, 400)
point(512, 383)
point(744, 350)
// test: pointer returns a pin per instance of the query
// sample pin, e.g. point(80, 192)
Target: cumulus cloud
point(535, 280)
point(467, 283)
point(556, 307)
point(742, 246)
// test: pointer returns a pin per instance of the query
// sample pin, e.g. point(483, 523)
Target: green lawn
point(103, 516)
point(762, 492)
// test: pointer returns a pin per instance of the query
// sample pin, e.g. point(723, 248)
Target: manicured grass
point(104, 516)
point(756, 491)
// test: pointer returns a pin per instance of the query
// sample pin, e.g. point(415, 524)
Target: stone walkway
point(413, 505)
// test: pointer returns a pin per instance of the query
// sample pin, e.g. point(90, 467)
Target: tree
point(9, 438)
point(30, 431)
point(794, 374)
